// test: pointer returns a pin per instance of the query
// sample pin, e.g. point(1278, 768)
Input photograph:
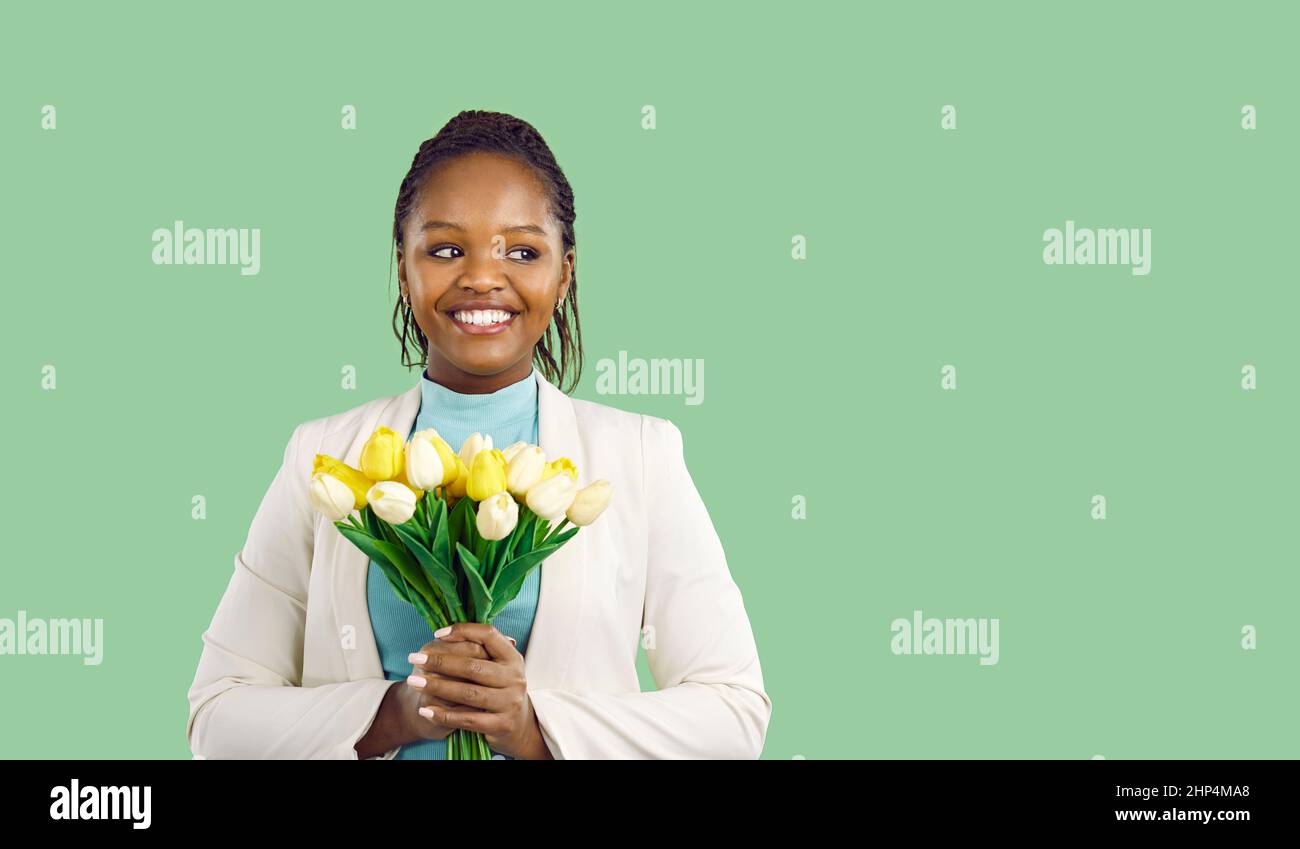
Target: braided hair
point(497, 132)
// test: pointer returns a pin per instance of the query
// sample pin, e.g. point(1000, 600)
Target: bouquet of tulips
point(456, 534)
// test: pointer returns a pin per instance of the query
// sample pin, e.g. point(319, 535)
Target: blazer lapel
point(351, 566)
point(554, 633)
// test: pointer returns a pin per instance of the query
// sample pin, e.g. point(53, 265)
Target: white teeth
point(482, 318)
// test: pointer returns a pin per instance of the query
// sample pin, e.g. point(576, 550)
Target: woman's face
point(481, 233)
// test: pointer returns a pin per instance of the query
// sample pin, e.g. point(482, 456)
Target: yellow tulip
point(383, 456)
point(354, 478)
point(473, 444)
point(487, 476)
point(563, 464)
point(449, 468)
point(457, 488)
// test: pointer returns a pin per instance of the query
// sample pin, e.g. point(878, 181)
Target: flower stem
point(556, 530)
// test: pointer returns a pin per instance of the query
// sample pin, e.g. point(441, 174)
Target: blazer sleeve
point(247, 700)
point(710, 702)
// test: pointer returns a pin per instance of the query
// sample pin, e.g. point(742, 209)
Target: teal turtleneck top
point(508, 415)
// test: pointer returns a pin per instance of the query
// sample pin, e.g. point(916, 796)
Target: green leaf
point(372, 522)
point(367, 545)
point(563, 537)
point(526, 542)
point(487, 562)
point(507, 584)
point(467, 529)
point(417, 522)
point(456, 519)
point(479, 593)
point(508, 547)
point(434, 617)
point(511, 578)
point(439, 543)
point(406, 564)
point(475, 542)
point(439, 573)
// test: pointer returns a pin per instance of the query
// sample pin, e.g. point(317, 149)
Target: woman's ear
point(568, 275)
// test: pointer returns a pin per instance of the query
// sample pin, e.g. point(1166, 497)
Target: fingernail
point(442, 632)
point(512, 640)
point(416, 680)
point(426, 712)
point(417, 657)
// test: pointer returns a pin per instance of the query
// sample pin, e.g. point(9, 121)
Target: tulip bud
point(487, 476)
point(383, 455)
point(331, 497)
point(424, 469)
point(473, 444)
point(563, 464)
point(514, 448)
point(590, 502)
point(355, 480)
point(549, 498)
point(524, 470)
point(497, 516)
point(392, 501)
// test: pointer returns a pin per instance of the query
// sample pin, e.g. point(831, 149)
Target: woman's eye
point(440, 252)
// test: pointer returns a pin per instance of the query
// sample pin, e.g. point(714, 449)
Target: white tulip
point(331, 497)
point(497, 516)
point(392, 501)
point(474, 443)
point(511, 450)
point(423, 464)
point(525, 470)
point(590, 502)
point(551, 497)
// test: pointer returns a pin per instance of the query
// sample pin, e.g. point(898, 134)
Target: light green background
point(1118, 637)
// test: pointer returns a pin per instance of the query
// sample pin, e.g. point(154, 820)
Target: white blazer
point(290, 669)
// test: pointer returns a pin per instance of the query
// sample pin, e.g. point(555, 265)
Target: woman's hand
point(479, 685)
point(428, 664)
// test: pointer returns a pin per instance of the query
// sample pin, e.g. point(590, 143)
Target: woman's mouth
point(482, 322)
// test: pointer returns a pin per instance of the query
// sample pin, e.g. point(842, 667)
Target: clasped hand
point(472, 678)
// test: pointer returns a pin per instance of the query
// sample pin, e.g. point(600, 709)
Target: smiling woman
point(484, 240)
point(485, 202)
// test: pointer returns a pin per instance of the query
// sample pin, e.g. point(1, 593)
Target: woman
point(311, 655)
